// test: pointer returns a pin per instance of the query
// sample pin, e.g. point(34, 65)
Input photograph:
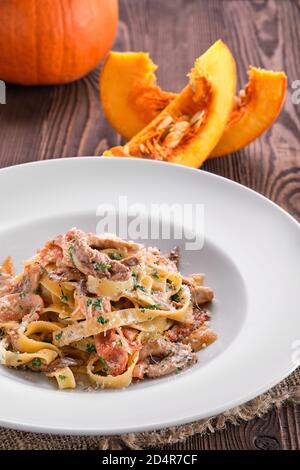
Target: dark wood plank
point(51, 122)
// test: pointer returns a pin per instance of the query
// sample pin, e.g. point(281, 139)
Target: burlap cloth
point(287, 390)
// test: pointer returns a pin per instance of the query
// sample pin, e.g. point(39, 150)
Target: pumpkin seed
point(175, 135)
point(165, 123)
point(197, 119)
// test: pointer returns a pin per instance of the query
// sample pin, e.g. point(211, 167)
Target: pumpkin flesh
point(131, 103)
point(140, 100)
point(255, 110)
point(188, 129)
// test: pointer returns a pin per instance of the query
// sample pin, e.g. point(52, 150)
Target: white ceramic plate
point(251, 257)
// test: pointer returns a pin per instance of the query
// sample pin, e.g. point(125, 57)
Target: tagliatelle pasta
point(103, 308)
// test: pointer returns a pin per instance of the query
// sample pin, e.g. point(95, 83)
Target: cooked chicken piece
point(30, 279)
point(201, 294)
point(14, 307)
point(200, 338)
point(131, 261)
point(193, 280)
point(180, 331)
point(79, 254)
point(174, 357)
point(65, 275)
point(51, 253)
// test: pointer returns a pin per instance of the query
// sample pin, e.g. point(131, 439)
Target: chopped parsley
point(102, 320)
point(153, 306)
point(140, 287)
point(120, 343)
point(178, 369)
point(90, 348)
point(104, 365)
point(101, 266)
point(62, 377)
point(37, 362)
point(134, 275)
point(155, 275)
point(115, 256)
point(58, 336)
point(63, 297)
point(22, 295)
point(98, 304)
point(71, 250)
point(94, 303)
point(177, 297)
point(150, 307)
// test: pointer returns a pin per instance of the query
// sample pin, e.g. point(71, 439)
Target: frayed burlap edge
point(287, 390)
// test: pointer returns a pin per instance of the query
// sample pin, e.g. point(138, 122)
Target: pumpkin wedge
point(129, 94)
point(140, 99)
point(255, 110)
point(191, 125)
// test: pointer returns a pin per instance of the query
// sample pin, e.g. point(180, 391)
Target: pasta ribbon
point(15, 359)
point(109, 381)
point(64, 377)
point(125, 317)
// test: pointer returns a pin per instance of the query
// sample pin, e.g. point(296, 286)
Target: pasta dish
point(104, 309)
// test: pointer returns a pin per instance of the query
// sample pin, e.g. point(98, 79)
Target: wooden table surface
point(51, 122)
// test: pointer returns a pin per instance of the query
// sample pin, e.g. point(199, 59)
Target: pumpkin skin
point(140, 99)
point(188, 129)
point(54, 41)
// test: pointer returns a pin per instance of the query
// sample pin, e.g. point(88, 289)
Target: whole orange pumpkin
point(54, 41)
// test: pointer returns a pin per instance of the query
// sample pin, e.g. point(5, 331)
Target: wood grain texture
point(62, 121)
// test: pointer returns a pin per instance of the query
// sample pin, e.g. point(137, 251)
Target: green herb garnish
point(178, 369)
point(177, 297)
point(90, 348)
point(22, 295)
point(63, 297)
point(36, 362)
point(101, 267)
point(62, 377)
point(142, 288)
point(89, 302)
point(102, 320)
point(115, 256)
point(98, 304)
point(104, 365)
point(71, 250)
point(155, 275)
point(58, 336)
